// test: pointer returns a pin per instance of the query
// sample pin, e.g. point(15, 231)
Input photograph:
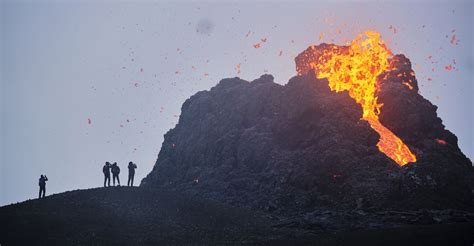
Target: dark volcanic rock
point(443, 175)
point(300, 148)
point(132, 216)
point(138, 216)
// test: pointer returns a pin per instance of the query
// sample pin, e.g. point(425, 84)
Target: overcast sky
point(87, 82)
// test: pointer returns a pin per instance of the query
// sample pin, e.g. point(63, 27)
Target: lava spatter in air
point(355, 69)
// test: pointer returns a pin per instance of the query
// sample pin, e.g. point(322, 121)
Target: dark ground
point(135, 216)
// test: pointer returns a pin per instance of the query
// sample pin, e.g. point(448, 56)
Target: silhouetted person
point(106, 171)
point(42, 185)
point(131, 173)
point(115, 173)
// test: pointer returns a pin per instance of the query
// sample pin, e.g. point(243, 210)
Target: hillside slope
point(128, 216)
point(134, 216)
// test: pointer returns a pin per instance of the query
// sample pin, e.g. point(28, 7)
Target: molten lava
point(355, 69)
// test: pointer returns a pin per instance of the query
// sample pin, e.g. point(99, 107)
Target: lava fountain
point(355, 69)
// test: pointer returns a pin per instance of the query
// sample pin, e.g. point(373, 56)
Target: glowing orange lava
point(355, 69)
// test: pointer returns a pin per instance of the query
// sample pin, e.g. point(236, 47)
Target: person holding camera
point(42, 185)
point(131, 173)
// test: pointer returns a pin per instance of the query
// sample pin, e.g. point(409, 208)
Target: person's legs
point(133, 176)
point(108, 180)
point(39, 196)
point(113, 179)
point(129, 179)
point(44, 191)
point(105, 179)
point(118, 180)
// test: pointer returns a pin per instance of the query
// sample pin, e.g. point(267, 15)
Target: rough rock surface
point(300, 149)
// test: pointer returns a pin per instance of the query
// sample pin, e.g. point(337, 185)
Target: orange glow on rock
point(408, 85)
point(440, 141)
point(355, 69)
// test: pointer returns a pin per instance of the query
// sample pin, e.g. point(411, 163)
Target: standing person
point(106, 171)
point(42, 185)
point(131, 173)
point(115, 173)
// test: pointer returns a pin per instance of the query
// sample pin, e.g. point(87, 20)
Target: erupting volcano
point(338, 135)
point(342, 147)
point(355, 69)
point(326, 152)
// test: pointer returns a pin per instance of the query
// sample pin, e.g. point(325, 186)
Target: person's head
point(130, 163)
point(107, 163)
point(41, 176)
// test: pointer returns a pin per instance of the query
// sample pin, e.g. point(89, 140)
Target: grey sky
point(129, 66)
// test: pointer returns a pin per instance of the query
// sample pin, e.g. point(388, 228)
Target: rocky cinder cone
point(442, 176)
point(302, 147)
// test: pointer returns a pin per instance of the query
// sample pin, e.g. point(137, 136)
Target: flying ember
point(355, 69)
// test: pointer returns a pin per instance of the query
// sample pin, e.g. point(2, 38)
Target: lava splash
point(355, 69)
